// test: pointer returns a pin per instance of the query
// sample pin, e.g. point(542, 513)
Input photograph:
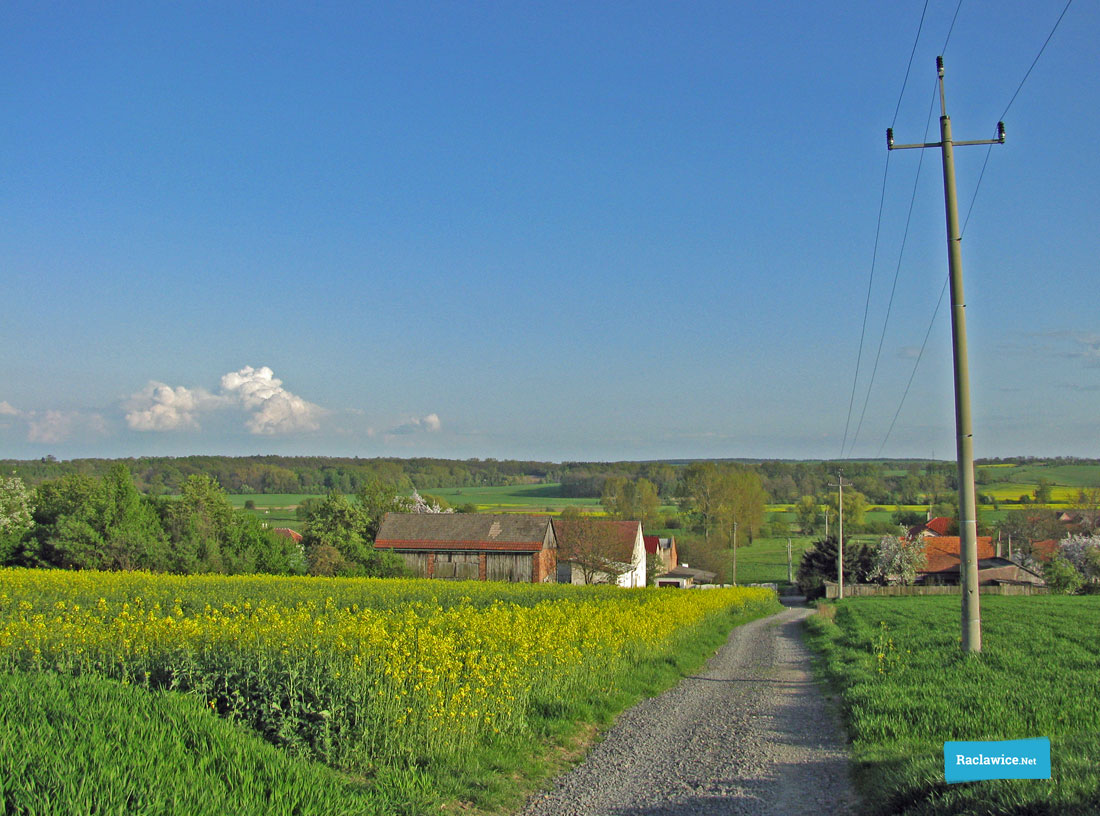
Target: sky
point(557, 231)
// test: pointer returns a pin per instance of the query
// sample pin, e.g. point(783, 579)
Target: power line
point(878, 231)
point(1019, 87)
point(897, 270)
point(969, 211)
point(1036, 60)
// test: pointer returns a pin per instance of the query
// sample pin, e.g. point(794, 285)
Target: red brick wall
point(544, 566)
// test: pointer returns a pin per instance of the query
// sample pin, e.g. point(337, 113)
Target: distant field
point(532, 498)
point(1014, 481)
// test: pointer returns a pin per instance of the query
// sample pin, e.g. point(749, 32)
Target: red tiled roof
point(286, 532)
point(939, 525)
point(942, 552)
point(652, 544)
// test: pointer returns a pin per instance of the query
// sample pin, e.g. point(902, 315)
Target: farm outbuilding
point(619, 542)
point(473, 546)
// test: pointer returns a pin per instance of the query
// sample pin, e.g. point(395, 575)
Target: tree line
point(78, 521)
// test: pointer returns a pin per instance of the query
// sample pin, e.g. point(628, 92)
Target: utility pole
point(735, 553)
point(964, 435)
point(840, 536)
point(790, 565)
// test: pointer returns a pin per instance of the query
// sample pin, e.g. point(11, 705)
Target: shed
point(619, 542)
point(473, 546)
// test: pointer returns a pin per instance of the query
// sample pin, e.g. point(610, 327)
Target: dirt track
point(750, 734)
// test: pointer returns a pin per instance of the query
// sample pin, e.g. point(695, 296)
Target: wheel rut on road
point(749, 734)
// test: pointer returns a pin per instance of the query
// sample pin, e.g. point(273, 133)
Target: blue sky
point(547, 230)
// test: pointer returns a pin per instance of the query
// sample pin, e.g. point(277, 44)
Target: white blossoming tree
point(897, 560)
point(1083, 552)
point(16, 515)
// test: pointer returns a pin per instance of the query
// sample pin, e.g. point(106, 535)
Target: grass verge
point(906, 688)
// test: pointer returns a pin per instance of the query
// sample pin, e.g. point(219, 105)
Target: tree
point(818, 565)
point(897, 560)
point(376, 498)
point(855, 507)
point(700, 495)
point(335, 541)
point(1044, 491)
point(16, 517)
point(114, 528)
point(1087, 506)
point(1061, 576)
point(625, 500)
point(592, 545)
point(806, 513)
point(1083, 552)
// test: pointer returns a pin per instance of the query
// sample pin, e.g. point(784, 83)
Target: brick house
point(944, 563)
point(663, 549)
point(473, 546)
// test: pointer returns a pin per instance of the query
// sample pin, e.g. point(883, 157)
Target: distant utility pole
point(968, 513)
point(840, 536)
point(790, 564)
point(735, 553)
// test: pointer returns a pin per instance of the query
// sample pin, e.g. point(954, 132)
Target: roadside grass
point(89, 745)
point(906, 688)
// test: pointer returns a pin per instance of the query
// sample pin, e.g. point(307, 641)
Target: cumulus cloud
point(6, 409)
point(426, 424)
point(274, 409)
point(57, 426)
point(160, 407)
point(271, 408)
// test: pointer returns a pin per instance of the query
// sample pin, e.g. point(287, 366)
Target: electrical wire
point(970, 210)
point(1019, 88)
point(897, 270)
point(878, 230)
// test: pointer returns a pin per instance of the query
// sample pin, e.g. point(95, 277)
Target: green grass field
point(906, 688)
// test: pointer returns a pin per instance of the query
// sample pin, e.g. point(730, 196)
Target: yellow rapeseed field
point(349, 670)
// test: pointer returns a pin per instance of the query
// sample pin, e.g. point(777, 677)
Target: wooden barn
point(473, 546)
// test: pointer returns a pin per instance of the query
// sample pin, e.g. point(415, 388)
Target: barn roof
point(462, 531)
point(286, 532)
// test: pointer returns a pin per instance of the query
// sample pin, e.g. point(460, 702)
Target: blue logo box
point(1006, 759)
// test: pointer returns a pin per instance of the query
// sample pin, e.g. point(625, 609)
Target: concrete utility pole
point(735, 553)
point(790, 564)
point(968, 513)
point(840, 536)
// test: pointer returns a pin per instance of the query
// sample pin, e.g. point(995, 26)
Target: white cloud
point(6, 409)
point(275, 410)
point(271, 408)
point(57, 426)
point(427, 424)
point(160, 407)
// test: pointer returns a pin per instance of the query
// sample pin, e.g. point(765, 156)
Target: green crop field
point(531, 498)
point(906, 688)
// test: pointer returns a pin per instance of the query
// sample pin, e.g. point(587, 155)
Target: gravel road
point(751, 734)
